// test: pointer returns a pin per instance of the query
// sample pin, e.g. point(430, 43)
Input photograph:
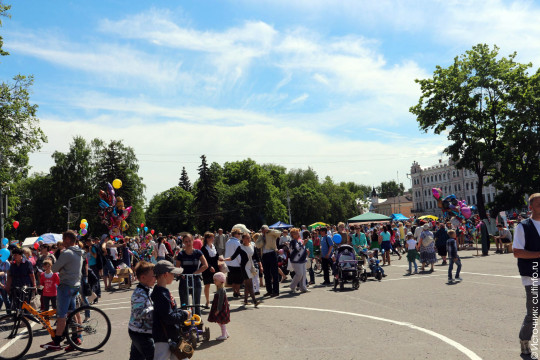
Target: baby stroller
point(376, 271)
point(346, 268)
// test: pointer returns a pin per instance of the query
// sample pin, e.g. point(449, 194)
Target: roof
point(397, 199)
point(369, 216)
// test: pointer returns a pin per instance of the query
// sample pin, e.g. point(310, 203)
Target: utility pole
point(289, 206)
point(2, 214)
point(399, 196)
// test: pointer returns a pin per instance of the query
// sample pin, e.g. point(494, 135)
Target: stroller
point(376, 272)
point(346, 268)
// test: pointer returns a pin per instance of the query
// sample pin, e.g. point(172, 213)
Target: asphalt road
point(401, 317)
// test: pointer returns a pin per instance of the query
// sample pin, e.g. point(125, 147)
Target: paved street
point(402, 317)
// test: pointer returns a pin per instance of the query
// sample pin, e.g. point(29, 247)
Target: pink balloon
point(466, 212)
point(436, 193)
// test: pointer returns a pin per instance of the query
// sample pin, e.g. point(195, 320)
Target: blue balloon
point(5, 241)
point(336, 239)
point(138, 230)
point(4, 254)
point(146, 229)
point(39, 239)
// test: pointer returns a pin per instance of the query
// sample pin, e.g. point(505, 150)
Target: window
point(440, 177)
point(444, 176)
point(426, 205)
point(458, 173)
point(489, 197)
point(468, 199)
point(472, 185)
point(467, 186)
point(453, 174)
point(459, 187)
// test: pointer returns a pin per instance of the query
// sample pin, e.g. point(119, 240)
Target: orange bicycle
point(87, 323)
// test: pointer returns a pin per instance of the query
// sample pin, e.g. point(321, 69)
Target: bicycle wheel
point(15, 340)
point(88, 328)
point(317, 267)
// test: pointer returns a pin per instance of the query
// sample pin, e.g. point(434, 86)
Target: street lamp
point(68, 208)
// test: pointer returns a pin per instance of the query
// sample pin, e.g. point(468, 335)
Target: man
point(327, 247)
point(220, 241)
point(504, 237)
point(69, 266)
point(20, 273)
point(441, 236)
point(267, 242)
point(527, 251)
point(234, 277)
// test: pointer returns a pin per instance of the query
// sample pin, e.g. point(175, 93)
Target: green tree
point(471, 101)
point(117, 161)
point(206, 197)
point(171, 211)
point(3, 12)
point(184, 182)
point(389, 189)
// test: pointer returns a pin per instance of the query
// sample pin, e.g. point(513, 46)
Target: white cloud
point(300, 99)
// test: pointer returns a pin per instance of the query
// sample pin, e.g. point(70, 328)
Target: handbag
point(181, 349)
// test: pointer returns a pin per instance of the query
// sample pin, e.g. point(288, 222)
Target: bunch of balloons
point(451, 206)
point(84, 227)
point(112, 211)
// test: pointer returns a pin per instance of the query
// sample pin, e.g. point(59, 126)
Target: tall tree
point(389, 189)
point(3, 12)
point(184, 182)
point(206, 197)
point(117, 161)
point(471, 101)
point(171, 211)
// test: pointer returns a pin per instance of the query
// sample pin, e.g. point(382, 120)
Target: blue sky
point(318, 83)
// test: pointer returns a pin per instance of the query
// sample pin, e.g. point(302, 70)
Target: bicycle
point(317, 265)
point(16, 332)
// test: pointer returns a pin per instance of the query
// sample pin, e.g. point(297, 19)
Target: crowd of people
point(71, 270)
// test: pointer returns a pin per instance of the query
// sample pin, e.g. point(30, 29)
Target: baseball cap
point(409, 234)
point(164, 266)
point(426, 226)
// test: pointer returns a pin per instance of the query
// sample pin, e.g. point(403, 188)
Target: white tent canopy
point(29, 241)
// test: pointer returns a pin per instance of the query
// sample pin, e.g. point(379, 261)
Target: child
point(167, 317)
point(453, 257)
point(219, 313)
point(373, 265)
point(49, 281)
point(412, 253)
point(142, 311)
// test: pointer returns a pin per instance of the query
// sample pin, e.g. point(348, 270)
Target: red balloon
point(152, 231)
point(15, 224)
point(36, 245)
point(142, 225)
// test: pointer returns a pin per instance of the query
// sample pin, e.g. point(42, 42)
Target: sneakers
point(459, 279)
point(222, 337)
point(525, 348)
point(54, 347)
point(305, 291)
point(450, 281)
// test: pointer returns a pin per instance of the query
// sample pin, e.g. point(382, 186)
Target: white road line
point(467, 352)
point(16, 338)
point(473, 273)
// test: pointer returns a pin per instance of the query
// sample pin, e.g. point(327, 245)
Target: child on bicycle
point(142, 312)
point(167, 317)
point(49, 282)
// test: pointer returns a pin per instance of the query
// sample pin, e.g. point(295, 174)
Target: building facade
point(444, 175)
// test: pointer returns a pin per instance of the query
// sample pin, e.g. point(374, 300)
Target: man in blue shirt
point(327, 246)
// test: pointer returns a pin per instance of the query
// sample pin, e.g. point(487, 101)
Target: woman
point(193, 262)
point(386, 245)
point(359, 240)
point(247, 254)
point(298, 261)
point(395, 241)
point(210, 254)
point(426, 245)
point(375, 242)
point(162, 248)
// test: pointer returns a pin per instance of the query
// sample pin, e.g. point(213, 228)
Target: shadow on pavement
point(57, 355)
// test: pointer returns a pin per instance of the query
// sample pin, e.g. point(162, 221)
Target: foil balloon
point(437, 193)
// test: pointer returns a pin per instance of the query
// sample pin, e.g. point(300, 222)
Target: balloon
point(142, 225)
point(138, 230)
point(83, 232)
point(146, 229)
point(152, 231)
point(82, 226)
point(5, 241)
point(437, 193)
point(15, 224)
point(466, 211)
point(36, 245)
point(84, 221)
point(336, 238)
point(4, 254)
point(117, 183)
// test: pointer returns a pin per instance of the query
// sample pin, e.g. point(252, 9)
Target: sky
point(320, 83)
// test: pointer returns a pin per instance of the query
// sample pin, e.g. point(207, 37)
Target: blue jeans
point(415, 266)
point(142, 346)
point(4, 299)
point(65, 299)
point(182, 290)
point(451, 266)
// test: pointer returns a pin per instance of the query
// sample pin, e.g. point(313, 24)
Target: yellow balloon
point(84, 221)
point(117, 183)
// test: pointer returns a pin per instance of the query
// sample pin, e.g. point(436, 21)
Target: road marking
point(473, 273)
point(16, 338)
point(467, 352)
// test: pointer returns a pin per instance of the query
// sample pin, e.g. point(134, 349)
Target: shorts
point(235, 275)
point(65, 299)
point(386, 246)
point(442, 251)
point(108, 268)
point(505, 240)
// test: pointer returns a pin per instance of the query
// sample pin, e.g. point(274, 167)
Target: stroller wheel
point(363, 277)
point(356, 284)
